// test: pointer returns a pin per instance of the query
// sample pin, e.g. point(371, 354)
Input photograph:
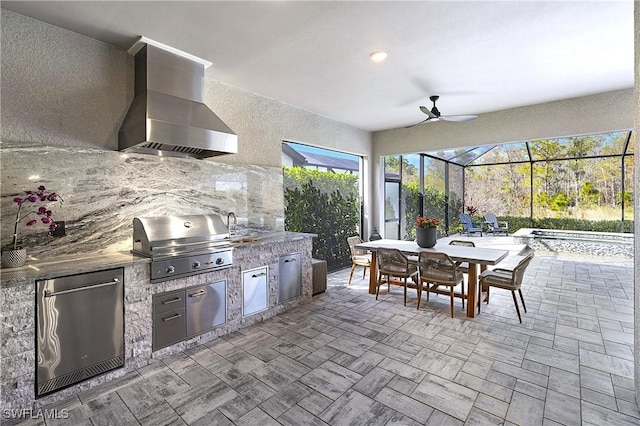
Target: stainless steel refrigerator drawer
point(168, 328)
point(206, 307)
point(168, 301)
point(79, 328)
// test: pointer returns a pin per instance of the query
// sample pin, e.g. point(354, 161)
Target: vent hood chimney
point(168, 115)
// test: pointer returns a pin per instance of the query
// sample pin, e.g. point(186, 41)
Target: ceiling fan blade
point(417, 124)
point(427, 111)
point(458, 117)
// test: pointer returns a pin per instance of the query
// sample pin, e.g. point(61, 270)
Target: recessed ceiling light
point(378, 56)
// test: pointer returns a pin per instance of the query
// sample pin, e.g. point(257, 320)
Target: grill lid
point(172, 235)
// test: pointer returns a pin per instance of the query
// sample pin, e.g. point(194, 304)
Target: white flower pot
point(13, 258)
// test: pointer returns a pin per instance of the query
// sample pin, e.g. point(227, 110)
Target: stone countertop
point(240, 241)
point(38, 269)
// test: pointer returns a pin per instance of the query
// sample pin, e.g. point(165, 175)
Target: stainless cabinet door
point(290, 279)
point(255, 291)
point(79, 324)
point(206, 307)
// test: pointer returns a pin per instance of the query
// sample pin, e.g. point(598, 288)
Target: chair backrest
point(519, 270)
point(492, 219)
point(462, 243)
point(466, 221)
point(391, 261)
point(437, 266)
point(352, 241)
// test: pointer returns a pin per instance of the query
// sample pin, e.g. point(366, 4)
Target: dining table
point(474, 256)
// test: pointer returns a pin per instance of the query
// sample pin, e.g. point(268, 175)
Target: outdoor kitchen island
point(252, 257)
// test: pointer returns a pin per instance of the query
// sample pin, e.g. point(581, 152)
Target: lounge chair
point(468, 226)
point(494, 225)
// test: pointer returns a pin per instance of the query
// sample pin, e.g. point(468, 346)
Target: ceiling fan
point(433, 114)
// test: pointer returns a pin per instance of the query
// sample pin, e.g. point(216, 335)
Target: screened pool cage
point(579, 181)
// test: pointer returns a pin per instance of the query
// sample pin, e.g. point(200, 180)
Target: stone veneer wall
point(18, 351)
point(104, 190)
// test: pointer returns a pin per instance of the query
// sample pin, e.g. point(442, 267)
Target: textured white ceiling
point(479, 56)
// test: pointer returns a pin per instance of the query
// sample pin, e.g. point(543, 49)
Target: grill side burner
point(180, 246)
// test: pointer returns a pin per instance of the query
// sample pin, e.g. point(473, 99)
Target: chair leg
point(378, 284)
point(353, 268)
point(451, 295)
point(522, 298)
point(364, 272)
point(419, 293)
point(515, 301)
point(462, 288)
point(405, 292)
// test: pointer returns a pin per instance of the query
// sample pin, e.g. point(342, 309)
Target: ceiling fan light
point(378, 55)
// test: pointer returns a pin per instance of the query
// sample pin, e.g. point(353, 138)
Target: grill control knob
point(170, 269)
point(196, 265)
point(219, 261)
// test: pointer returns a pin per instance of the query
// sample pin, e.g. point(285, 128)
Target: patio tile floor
point(347, 359)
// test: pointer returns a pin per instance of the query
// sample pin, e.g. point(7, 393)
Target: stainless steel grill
point(181, 246)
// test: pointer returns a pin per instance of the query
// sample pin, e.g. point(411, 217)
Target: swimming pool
point(582, 242)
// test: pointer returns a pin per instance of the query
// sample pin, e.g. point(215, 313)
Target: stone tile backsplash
point(104, 190)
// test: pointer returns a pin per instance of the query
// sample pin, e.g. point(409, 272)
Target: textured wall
point(262, 124)
point(64, 97)
point(60, 87)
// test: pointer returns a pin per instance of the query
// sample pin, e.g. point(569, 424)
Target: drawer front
point(255, 291)
point(164, 302)
point(169, 328)
point(206, 307)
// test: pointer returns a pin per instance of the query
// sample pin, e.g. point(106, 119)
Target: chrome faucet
point(231, 230)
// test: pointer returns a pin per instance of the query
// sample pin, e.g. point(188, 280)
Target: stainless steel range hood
point(168, 115)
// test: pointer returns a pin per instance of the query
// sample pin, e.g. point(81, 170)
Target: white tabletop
point(481, 255)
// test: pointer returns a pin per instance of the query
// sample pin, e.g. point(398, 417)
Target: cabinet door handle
point(168, 302)
point(48, 293)
point(198, 293)
point(290, 260)
point(261, 274)
point(172, 317)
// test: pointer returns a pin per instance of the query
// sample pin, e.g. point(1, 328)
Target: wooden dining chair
point(438, 269)
point(507, 279)
point(359, 257)
point(392, 263)
point(462, 266)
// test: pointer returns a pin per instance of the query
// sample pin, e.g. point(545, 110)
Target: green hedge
point(325, 204)
point(517, 222)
